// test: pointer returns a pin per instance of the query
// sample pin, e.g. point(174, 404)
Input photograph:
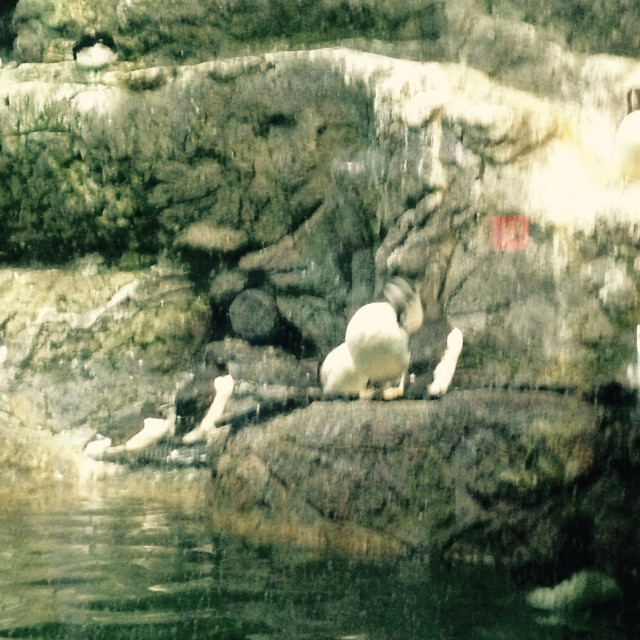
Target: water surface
point(136, 558)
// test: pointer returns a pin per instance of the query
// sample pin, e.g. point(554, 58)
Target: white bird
point(626, 151)
point(224, 389)
point(95, 50)
point(376, 347)
point(443, 373)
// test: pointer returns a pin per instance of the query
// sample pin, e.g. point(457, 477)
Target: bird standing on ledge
point(95, 50)
point(376, 347)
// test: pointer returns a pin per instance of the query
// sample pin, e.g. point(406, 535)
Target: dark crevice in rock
point(7, 29)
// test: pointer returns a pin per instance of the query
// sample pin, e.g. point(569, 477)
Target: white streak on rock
point(443, 374)
point(224, 389)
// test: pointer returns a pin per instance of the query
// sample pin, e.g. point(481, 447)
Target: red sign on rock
point(510, 233)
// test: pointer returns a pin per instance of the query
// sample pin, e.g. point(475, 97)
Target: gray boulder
point(444, 476)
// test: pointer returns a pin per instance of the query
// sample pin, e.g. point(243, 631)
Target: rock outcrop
point(445, 176)
point(289, 187)
point(90, 349)
point(507, 478)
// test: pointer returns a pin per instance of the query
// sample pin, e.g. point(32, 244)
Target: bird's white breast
point(378, 345)
point(338, 374)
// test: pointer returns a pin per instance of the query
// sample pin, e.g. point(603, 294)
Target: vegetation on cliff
point(252, 154)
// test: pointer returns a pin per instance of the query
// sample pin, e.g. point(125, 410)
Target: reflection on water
point(134, 558)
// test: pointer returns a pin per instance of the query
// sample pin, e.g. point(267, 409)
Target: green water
point(137, 559)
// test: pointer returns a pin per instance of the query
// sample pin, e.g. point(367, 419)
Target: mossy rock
point(212, 166)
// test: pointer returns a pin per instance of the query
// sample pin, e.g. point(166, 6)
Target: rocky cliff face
point(274, 194)
point(309, 178)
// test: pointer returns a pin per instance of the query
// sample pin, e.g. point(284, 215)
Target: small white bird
point(224, 389)
point(443, 373)
point(376, 347)
point(95, 50)
point(626, 151)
